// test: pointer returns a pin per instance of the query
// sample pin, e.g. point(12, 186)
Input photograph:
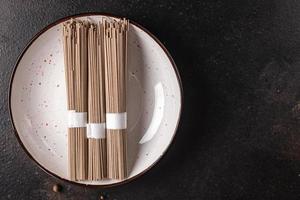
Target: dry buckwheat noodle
point(75, 51)
point(96, 74)
point(115, 54)
point(97, 165)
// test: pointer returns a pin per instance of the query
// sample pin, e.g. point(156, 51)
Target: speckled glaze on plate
point(38, 101)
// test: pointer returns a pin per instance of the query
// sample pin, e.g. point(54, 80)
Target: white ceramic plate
point(38, 100)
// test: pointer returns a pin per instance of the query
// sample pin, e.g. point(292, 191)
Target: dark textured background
point(239, 133)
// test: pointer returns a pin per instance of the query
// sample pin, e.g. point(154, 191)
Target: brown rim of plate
point(21, 56)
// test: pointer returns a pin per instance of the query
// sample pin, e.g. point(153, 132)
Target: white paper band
point(116, 120)
point(95, 130)
point(76, 119)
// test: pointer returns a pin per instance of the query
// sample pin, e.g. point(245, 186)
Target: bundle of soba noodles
point(97, 165)
point(75, 52)
point(115, 56)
